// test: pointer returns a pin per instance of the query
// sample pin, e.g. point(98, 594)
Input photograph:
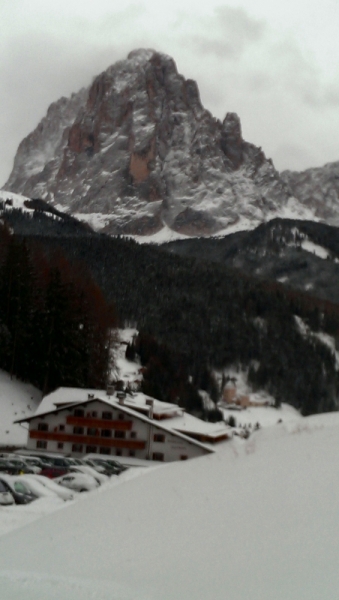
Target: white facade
point(104, 426)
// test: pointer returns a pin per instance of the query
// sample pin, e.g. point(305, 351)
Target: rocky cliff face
point(138, 152)
point(318, 189)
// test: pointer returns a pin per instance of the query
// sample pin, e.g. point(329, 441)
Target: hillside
point(302, 255)
point(17, 400)
point(231, 304)
point(213, 316)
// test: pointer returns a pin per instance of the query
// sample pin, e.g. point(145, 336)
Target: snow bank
point(258, 520)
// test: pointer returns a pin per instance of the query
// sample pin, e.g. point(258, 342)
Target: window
point(91, 449)
point(20, 488)
point(157, 456)
point(107, 415)
point(120, 434)
point(60, 462)
point(104, 450)
point(133, 435)
point(77, 448)
point(42, 426)
point(106, 433)
point(60, 445)
point(183, 457)
point(94, 414)
point(159, 437)
point(79, 412)
point(118, 452)
point(61, 427)
point(132, 453)
point(121, 416)
point(41, 444)
point(78, 430)
point(91, 431)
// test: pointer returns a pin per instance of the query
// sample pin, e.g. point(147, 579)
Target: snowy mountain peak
point(137, 153)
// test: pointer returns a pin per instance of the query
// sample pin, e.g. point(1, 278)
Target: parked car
point(99, 466)
point(50, 484)
point(55, 467)
point(108, 468)
point(20, 492)
point(14, 466)
point(33, 462)
point(74, 461)
point(78, 481)
point(6, 498)
point(37, 487)
point(5, 465)
point(114, 464)
point(24, 464)
point(53, 471)
point(87, 470)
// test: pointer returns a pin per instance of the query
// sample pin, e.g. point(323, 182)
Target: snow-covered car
point(74, 461)
point(15, 466)
point(100, 467)
point(6, 497)
point(18, 488)
point(115, 465)
point(50, 484)
point(78, 481)
point(87, 470)
point(34, 463)
point(37, 487)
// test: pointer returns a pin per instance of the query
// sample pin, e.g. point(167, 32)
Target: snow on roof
point(189, 424)
point(65, 395)
point(136, 402)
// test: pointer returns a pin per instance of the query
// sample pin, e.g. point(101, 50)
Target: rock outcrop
point(137, 151)
point(318, 189)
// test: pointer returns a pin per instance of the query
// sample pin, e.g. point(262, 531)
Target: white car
point(50, 484)
point(87, 470)
point(78, 481)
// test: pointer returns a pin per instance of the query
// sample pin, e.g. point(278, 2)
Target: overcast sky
point(274, 62)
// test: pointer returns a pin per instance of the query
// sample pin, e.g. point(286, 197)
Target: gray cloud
point(228, 33)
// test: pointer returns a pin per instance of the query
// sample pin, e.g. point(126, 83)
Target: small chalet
point(75, 422)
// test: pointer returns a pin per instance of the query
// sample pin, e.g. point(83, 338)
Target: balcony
point(89, 440)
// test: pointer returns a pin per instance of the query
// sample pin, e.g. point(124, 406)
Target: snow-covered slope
point(17, 400)
point(259, 520)
point(12, 200)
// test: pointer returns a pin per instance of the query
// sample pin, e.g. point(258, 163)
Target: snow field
point(258, 519)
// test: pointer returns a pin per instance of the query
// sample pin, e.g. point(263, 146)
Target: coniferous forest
point(54, 320)
point(194, 317)
point(213, 317)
